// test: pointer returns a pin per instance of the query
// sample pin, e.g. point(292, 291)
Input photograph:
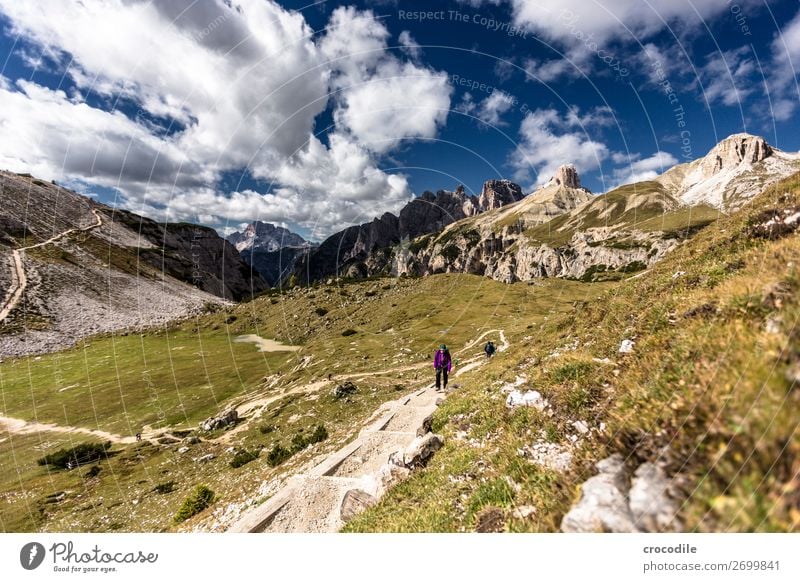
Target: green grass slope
point(171, 378)
point(710, 390)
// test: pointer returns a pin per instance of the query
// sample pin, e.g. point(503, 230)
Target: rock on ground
point(343, 390)
point(425, 427)
point(611, 502)
point(421, 449)
point(354, 502)
point(652, 508)
point(603, 506)
point(530, 398)
point(223, 420)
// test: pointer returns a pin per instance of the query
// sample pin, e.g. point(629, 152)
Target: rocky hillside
point(667, 404)
point(561, 230)
point(730, 174)
point(72, 267)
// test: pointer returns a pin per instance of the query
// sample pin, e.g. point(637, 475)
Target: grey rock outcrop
point(613, 502)
point(567, 176)
point(223, 420)
point(432, 212)
point(652, 508)
point(603, 506)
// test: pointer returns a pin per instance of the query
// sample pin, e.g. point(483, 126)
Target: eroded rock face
point(567, 176)
point(512, 257)
point(735, 150)
point(498, 193)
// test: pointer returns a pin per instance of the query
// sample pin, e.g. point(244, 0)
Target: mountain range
point(559, 230)
point(65, 256)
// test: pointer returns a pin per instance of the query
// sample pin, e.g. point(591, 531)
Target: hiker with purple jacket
point(442, 363)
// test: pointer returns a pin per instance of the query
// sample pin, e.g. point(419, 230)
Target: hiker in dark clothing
point(489, 349)
point(138, 437)
point(442, 363)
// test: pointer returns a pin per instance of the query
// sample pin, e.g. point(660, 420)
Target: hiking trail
point(19, 280)
point(310, 501)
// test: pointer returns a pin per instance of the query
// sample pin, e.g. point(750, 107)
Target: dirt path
point(266, 345)
point(19, 426)
point(18, 279)
point(311, 501)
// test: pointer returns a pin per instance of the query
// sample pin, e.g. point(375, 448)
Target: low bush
point(93, 472)
point(349, 332)
point(243, 457)
point(321, 311)
point(79, 455)
point(164, 488)
point(197, 501)
point(320, 434)
point(277, 455)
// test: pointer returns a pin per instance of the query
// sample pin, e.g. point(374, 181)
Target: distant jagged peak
point(499, 193)
point(567, 176)
point(267, 236)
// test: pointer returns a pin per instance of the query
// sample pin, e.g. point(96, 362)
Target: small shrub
point(277, 455)
point(197, 501)
point(243, 457)
point(349, 332)
point(266, 428)
point(633, 267)
point(321, 311)
point(370, 294)
point(230, 319)
point(298, 443)
point(164, 488)
point(320, 434)
point(79, 455)
point(93, 472)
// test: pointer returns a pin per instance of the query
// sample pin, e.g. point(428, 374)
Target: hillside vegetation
point(709, 391)
point(379, 334)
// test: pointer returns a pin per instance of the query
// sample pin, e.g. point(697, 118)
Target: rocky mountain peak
point(740, 148)
point(566, 176)
point(498, 193)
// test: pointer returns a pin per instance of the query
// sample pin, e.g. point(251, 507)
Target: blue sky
point(317, 116)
